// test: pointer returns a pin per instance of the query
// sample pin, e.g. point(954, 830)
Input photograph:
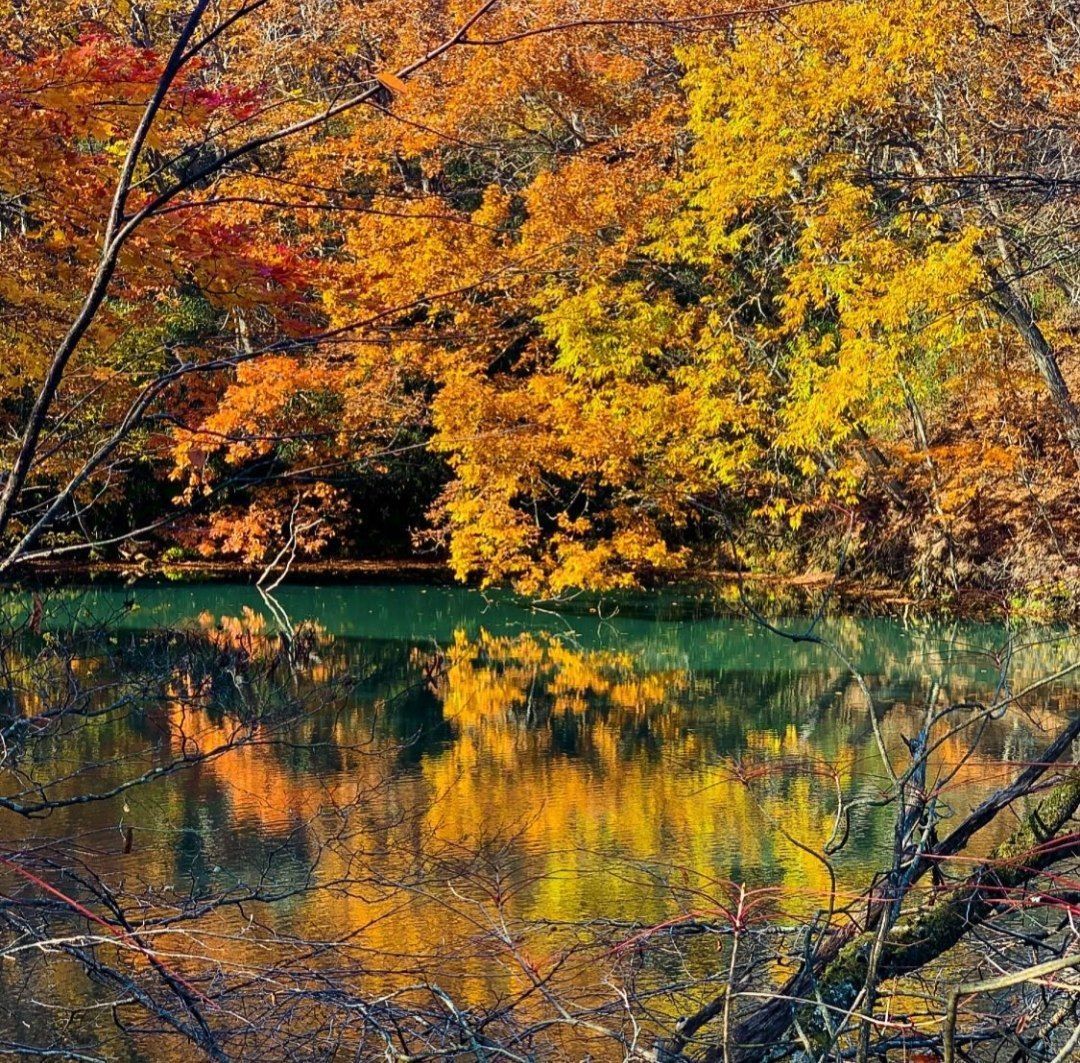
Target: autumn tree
point(822, 281)
point(168, 264)
point(614, 294)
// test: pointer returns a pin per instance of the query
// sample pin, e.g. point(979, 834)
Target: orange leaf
point(391, 81)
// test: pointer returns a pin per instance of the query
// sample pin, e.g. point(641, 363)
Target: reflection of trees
point(462, 815)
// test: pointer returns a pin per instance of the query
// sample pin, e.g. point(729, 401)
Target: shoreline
point(370, 571)
point(766, 590)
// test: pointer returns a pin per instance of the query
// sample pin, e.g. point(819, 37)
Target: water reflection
point(460, 762)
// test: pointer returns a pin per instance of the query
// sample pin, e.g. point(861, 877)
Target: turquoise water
point(606, 761)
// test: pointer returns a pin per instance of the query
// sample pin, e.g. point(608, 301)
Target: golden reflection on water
point(577, 770)
point(523, 778)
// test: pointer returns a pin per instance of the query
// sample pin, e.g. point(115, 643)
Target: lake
point(468, 773)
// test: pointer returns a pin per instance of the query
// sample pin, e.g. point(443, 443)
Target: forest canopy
point(577, 295)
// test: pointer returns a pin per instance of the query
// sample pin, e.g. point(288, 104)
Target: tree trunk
point(1013, 304)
